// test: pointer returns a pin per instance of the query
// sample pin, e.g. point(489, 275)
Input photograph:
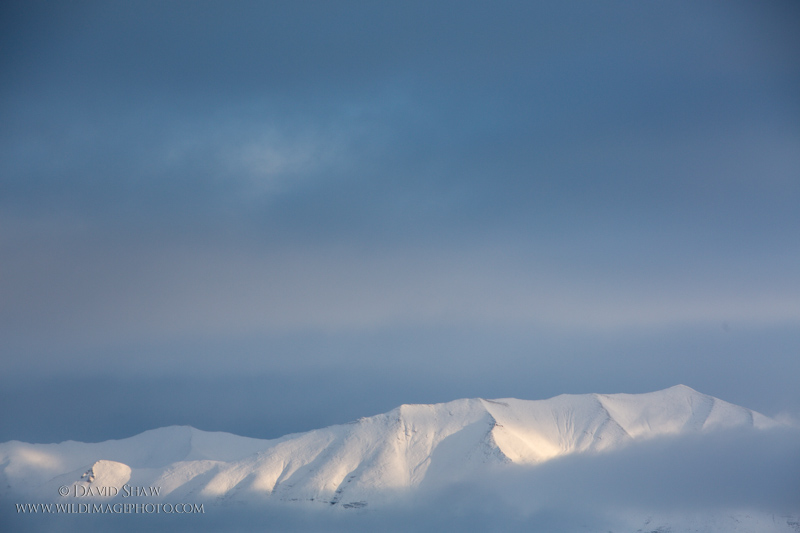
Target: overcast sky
point(265, 217)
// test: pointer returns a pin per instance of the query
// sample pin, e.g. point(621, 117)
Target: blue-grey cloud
point(201, 186)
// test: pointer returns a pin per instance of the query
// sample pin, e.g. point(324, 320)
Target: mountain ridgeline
point(368, 461)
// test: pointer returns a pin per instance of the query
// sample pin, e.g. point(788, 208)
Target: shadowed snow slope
point(370, 460)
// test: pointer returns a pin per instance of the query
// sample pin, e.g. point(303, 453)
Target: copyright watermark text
point(126, 491)
point(110, 508)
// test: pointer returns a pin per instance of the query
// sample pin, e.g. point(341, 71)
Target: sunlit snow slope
point(371, 459)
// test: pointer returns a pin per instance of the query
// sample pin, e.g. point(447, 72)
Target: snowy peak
point(674, 410)
point(534, 431)
point(526, 431)
point(369, 460)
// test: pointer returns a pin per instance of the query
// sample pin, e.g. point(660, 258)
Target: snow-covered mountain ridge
point(368, 460)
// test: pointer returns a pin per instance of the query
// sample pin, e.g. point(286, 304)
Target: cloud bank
point(707, 480)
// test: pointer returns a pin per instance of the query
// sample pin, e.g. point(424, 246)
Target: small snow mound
point(108, 474)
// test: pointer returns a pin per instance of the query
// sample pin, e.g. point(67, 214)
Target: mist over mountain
point(270, 218)
point(673, 458)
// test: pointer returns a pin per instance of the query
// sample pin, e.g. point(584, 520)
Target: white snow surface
point(371, 460)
